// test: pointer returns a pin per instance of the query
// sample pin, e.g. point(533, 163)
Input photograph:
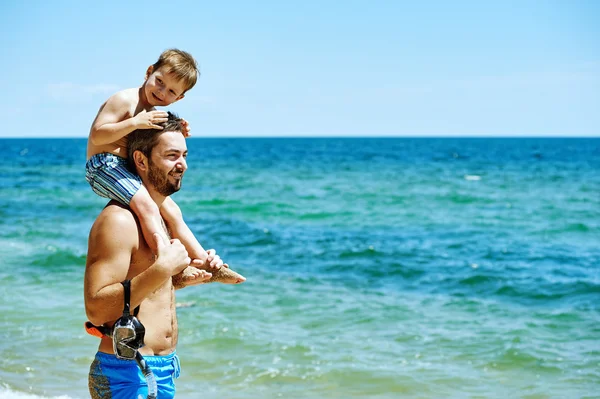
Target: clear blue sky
point(312, 68)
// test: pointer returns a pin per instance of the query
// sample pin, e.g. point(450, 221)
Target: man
point(117, 251)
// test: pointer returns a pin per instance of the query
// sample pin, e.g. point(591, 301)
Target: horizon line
point(346, 137)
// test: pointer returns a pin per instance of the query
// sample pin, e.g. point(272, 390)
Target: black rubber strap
point(126, 296)
point(127, 299)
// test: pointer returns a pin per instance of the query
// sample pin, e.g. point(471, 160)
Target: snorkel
point(150, 379)
point(127, 337)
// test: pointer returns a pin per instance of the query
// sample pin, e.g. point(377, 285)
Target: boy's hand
point(149, 120)
point(186, 128)
point(212, 263)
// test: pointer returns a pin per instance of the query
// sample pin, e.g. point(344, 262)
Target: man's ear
point(140, 161)
point(149, 71)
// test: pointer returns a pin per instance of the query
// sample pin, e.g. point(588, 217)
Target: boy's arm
point(112, 122)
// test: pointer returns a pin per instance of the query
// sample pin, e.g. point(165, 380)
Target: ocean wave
point(59, 259)
point(457, 198)
point(361, 253)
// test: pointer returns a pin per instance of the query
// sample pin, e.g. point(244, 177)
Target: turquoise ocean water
point(377, 268)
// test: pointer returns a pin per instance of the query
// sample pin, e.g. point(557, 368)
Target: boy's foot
point(226, 276)
point(193, 276)
point(223, 275)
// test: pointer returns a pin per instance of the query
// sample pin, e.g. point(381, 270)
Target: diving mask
point(128, 332)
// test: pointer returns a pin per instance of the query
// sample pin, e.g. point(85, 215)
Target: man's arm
point(113, 239)
point(113, 121)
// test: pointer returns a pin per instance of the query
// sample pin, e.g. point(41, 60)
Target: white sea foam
point(472, 177)
point(6, 393)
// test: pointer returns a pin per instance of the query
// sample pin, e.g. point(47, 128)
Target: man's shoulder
point(117, 218)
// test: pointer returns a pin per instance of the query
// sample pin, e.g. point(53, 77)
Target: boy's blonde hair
point(181, 64)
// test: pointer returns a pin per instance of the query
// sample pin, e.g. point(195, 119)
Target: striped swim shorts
point(110, 177)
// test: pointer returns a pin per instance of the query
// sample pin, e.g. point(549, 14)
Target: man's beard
point(160, 181)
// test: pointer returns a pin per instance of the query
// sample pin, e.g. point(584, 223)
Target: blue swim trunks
point(112, 378)
point(110, 177)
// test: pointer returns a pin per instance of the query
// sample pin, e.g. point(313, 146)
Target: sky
point(312, 68)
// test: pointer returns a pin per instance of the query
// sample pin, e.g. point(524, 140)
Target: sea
point(376, 268)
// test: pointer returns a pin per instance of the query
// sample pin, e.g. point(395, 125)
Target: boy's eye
point(159, 80)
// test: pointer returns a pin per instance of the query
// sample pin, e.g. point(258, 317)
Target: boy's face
point(162, 89)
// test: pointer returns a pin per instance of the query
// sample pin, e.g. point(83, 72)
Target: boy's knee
point(144, 206)
point(170, 211)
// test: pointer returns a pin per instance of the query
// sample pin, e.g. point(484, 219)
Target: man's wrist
point(162, 269)
point(178, 281)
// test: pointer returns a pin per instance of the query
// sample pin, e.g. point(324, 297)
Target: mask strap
point(126, 296)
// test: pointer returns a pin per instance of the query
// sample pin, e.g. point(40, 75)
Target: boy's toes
point(204, 275)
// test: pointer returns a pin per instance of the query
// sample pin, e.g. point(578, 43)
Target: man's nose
point(182, 164)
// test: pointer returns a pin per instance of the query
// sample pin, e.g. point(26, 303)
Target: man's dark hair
point(144, 140)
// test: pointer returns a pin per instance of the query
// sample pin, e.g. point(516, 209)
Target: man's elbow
point(94, 317)
point(95, 314)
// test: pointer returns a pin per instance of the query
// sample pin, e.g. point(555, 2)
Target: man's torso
point(157, 312)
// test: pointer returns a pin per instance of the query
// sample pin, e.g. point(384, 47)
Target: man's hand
point(172, 256)
point(186, 128)
point(149, 120)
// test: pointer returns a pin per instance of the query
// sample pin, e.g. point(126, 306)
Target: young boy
point(166, 82)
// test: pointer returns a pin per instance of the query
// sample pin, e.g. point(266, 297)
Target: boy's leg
point(110, 177)
point(172, 215)
point(149, 216)
point(174, 218)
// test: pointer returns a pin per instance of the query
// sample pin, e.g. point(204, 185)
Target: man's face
point(167, 163)
point(162, 89)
